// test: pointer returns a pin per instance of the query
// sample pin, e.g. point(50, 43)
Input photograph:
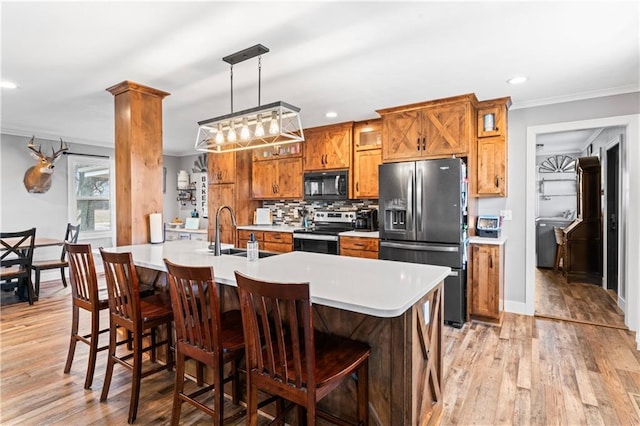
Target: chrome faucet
point(216, 249)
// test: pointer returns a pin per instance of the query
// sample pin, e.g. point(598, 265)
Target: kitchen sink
point(243, 253)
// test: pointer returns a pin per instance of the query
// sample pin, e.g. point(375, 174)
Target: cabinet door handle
point(358, 244)
point(424, 144)
point(277, 188)
point(491, 262)
point(273, 188)
point(497, 181)
point(418, 144)
point(357, 186)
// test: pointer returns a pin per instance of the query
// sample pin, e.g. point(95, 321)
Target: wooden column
point(138, 151)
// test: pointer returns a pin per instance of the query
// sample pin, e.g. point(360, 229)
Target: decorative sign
point(200, 180)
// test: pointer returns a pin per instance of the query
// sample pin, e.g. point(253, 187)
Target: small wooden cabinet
point(491, 175)
point(328, 147)
point(486, 282)
point(367, 156)
point(281, 242)
point(359, 247)
point(277, 179)
point(221, 167)
point(429, 130)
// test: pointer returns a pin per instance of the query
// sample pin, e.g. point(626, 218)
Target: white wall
point(519, 121)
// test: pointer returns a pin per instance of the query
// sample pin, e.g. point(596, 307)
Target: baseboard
point(516, 307)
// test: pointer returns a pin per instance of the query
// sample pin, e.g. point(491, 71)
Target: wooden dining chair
point(296, 363)
point(16, 259)
point(71, 235)
point(205, 335)
point(140, 317)
point(85, 294)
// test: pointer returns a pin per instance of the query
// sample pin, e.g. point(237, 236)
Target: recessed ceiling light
point(331, 114)
point(517, 80)
point(8, 84)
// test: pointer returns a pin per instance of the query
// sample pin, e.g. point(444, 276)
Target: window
point(91, 200)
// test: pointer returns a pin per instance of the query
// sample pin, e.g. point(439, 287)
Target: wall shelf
point(186, 195)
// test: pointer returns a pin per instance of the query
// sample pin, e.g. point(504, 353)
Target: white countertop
point(380, 288)
point(271, 228)
point(364, 234)
point(485, 240)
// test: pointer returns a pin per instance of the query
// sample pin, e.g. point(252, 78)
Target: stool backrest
point(122, 286)
point(559, 234)
point(281, 312)
point(196, 306)
point(82, 273)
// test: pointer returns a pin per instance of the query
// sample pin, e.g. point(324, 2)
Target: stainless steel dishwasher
point(546, 240)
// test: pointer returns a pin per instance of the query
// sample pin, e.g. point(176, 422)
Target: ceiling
point(348, 57)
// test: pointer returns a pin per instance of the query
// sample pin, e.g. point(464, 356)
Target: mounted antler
point(37, 179)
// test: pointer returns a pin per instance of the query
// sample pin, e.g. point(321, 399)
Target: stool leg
point(178, 389)
point(363, 393)
point(137, 376)
point(110, 362)
point(93, 347)
point(72, 342)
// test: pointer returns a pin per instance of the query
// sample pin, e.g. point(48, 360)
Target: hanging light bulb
point(231, 136)
point(259, 128)
point(219, 135)
point(244, 131)
point(273, 127)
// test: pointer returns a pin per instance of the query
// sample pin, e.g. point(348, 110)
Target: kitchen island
point(395, 307)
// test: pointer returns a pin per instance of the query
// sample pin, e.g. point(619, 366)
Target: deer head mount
point(37, 179)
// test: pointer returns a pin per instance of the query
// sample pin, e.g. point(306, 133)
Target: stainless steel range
point(322, 237)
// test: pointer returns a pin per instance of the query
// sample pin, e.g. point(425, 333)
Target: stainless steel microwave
point(331, 185)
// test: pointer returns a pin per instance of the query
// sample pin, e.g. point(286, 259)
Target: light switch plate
point(506, 214)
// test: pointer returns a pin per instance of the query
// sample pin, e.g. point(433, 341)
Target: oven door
point(326, 244)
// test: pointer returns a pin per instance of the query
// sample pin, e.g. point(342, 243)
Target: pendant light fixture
point(273, 124)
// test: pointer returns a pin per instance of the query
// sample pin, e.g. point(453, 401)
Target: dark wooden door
point(613, 198)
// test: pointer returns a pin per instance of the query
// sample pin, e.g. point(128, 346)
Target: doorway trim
point(630, 272)
point(621, 285)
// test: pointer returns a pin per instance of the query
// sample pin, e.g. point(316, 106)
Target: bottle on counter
point(252, 248)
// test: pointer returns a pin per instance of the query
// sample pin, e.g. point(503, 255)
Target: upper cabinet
point(222, 167)
point(277, 179)
point(491, 175)
point(429, 130)
point(367, 156)
point(328, 147)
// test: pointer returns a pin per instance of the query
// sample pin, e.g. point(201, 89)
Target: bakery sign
point(200, 180)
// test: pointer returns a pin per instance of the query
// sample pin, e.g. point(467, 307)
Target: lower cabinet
point(486, 282)
point(171, 235)
point(359, 247)
point(281, 242)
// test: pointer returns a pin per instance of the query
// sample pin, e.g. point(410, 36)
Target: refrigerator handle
point(419, 200)
point(409, 219)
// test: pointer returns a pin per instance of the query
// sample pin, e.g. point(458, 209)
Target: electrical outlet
point(506, 214)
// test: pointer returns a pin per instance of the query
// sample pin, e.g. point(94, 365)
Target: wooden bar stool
point(85, 295)
point(206, 335)
point(296, 363)
point(139, 317)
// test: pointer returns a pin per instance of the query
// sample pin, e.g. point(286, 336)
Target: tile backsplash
point(288, 212)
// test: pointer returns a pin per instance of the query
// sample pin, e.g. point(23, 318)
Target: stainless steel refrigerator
point(423, 208)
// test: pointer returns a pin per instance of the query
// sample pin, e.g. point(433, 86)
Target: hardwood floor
point(588, 303)
point(529, 371)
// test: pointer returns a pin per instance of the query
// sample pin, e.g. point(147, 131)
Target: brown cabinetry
point(359, 247)
point(491, 174)
point(277, 179)
point(328, 147)
point(486, 282)
point(281, 242)
point(222, 167)
point(235, 194)
point(367, 156)
point(429, 129)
